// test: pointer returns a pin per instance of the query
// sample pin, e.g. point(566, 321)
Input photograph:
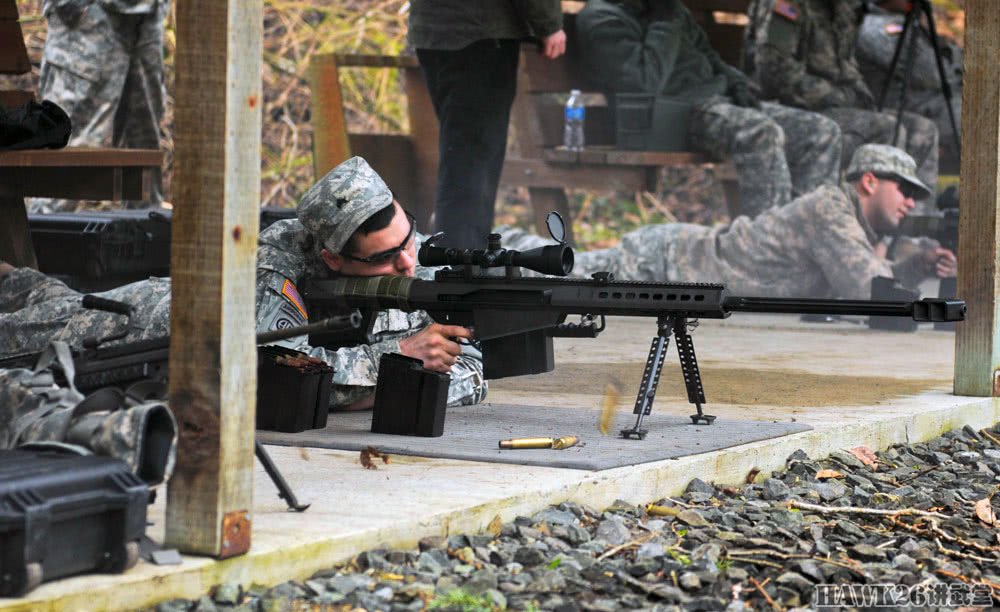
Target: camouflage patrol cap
point(885, 159)
point(333, 208)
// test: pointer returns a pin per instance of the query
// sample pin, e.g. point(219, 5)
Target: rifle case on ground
point(99, 250)
point(63, 513)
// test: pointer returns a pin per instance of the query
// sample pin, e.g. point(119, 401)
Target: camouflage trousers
point(105, 69)
point(779, 152)
point(34, 410)
point(918, 136)
point(36, 308)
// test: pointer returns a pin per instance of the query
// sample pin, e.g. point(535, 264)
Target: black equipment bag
point(62, 513)
point(99, 250)
point(34, 126)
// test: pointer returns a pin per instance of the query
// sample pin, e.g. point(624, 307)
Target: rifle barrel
point(928, 309)
point(352, 319)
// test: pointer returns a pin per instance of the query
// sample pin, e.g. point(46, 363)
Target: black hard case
point(63, 514)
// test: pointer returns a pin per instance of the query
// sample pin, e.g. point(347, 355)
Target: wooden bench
point(84, 173)
point(409, 162)
point(541, 164)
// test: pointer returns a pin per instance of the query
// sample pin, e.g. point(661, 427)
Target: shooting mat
point(472, 433)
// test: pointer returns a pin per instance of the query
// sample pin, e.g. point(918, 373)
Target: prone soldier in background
point(822, 244)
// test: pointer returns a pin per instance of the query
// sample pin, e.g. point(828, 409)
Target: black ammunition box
point(293, 392)
point(410, 400)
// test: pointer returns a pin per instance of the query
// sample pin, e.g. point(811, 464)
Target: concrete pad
point(811, 373)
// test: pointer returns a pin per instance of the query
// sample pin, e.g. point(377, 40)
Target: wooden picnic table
point(80, 173)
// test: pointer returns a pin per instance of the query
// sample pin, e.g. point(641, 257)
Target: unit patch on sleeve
point(289, 291)
point(786, 9)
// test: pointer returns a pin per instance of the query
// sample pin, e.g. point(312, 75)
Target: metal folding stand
point(677, 326)
point(284, 491)
point(907, 37)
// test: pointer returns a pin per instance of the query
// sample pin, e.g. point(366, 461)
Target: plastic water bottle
point(573, 134)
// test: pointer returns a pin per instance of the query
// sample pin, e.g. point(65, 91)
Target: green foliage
point(723, 564)
point(460, 600)
point(679, 557)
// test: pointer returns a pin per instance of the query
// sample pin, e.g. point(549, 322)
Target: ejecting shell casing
point(557, 443)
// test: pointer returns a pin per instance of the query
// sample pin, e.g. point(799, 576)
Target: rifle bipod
point(284, 491)
point(678, 326)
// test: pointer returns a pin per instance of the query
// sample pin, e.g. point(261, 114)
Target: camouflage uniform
point(819, 245)
point(878, 37)
point(284, 259)
point(289, 251)
point(103, 64)
point(779, 152)
point(34, 410)
point(802, 53)
point(36, 309)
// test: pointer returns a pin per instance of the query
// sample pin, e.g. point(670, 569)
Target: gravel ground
point(918, 519)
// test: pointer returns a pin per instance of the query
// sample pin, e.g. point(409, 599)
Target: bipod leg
point(689, 368)
point(284, 491)
point(650, 377)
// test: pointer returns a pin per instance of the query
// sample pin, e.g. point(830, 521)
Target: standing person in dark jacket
point(655, 46)
point(469, 53)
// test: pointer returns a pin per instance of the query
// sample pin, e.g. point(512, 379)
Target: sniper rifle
point(514, 317)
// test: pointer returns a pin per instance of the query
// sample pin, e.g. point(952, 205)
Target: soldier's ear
point(868, 182)
point(332, 260)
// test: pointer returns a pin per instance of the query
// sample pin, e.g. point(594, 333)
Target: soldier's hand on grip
point(434, 346)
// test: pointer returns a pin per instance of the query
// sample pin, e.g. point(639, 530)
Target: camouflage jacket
point(802, 52)
point(625, 52)
point(455, 24)
point(286, 256)
point(818, 245)
point(878, 37)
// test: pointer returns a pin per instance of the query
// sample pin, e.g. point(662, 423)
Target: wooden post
point(213, 370)
point(977, 354)
point(330, 142)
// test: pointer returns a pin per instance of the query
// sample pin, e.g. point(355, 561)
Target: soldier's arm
point(787, 78)
point(544, 17)
point(841, 248)
point(620, 55)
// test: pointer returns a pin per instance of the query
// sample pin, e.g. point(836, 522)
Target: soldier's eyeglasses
point(383, 257)
point(908, 190)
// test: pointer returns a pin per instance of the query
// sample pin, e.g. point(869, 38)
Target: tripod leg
point(689, 368)
point(650, 378)
point(945, 86)
point(284, 491)
point(907, 22)
point(911, 52)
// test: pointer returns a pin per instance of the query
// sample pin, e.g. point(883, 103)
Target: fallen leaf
point(751, 475)
point(495, 526)
point(984, 511)
point(608, 405)
point(828, 474)
point(865, 455)
point(367, 454)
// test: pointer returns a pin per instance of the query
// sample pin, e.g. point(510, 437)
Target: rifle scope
point(554, 259)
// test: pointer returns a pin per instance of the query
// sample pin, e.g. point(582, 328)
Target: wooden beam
point(213, 370)
point(977, 351)
point(330, 143)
